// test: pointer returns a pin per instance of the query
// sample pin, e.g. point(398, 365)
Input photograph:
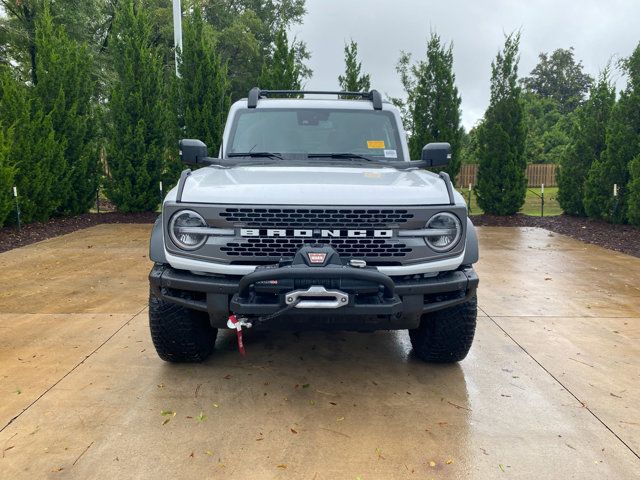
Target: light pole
point(177, 31)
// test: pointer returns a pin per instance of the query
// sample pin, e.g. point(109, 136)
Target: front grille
point(268, 248)
point(287, 247)
point(316, 218)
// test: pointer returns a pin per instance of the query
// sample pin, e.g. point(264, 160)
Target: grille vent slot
point(316, 218)
point(287, 247)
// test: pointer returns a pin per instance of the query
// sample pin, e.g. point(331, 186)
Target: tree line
point(563, 116)
point(89, 99)
point(580, 123)
point(558, 114)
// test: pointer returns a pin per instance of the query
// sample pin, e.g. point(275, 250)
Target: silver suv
point(312, 216)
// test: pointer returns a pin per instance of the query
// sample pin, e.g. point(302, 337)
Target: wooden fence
point(537, 174)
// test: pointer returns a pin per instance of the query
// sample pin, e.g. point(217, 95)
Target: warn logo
point(317, 258)
point(314, 233)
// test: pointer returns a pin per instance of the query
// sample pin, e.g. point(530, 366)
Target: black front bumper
point(376, 301)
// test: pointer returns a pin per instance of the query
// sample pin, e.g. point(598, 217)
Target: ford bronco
point(313, 216)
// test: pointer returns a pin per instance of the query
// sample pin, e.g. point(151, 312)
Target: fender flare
point(471, 251)
point(156, 244)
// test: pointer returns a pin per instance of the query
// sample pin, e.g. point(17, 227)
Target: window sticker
point(390, 154)
point(375, 144)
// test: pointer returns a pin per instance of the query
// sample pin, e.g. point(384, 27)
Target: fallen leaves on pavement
point(168, 414)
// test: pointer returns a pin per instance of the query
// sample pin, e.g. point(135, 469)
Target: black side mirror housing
point(194, 152)
point(436, 154)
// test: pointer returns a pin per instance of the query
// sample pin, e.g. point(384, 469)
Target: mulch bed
point(11, 237)
point(622, 238)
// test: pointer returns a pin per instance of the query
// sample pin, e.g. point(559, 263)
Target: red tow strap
point(234, 321)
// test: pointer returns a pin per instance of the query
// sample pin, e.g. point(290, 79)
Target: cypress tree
point(633, 209)
point(204, 88)
point(353, 79)
point(633, 203)
point(6, 176)
point(65, 88)
point(622, 146)
point(501, 186)
point(281, 71)
point(433, 102)
point(139, 115)
point(586, 146)
point(35, 154)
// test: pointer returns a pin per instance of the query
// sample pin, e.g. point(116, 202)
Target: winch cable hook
point(237, 324)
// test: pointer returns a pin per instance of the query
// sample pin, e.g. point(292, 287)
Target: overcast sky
point(597, 29)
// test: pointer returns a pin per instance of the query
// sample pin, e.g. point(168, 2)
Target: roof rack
point(255, 94)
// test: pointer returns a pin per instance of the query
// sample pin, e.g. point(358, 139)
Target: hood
point(314, 185)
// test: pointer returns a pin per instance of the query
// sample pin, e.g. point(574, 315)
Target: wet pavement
point(549, 390)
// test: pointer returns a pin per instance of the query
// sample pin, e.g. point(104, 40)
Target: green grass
point(531, 203)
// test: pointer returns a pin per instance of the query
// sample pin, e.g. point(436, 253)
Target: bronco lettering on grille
point(314, 233)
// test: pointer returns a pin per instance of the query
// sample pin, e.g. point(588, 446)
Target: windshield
point(321, 131)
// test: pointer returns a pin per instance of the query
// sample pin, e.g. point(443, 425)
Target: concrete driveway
point(549, 390)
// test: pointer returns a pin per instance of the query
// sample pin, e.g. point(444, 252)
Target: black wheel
point(446, 336)
point(180, 334)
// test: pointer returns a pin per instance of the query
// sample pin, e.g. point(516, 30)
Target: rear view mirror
point(194, 152)
point(436, 154)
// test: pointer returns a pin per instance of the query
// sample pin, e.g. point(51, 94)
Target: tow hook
point(236, 324)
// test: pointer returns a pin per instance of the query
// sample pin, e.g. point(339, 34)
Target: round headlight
point(445, 231)
point(183, 230)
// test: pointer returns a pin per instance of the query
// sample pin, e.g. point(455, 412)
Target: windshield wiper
point(256, 155)
point(341, 155)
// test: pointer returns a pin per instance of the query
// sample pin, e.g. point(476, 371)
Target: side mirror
point(436, 154)
point(193, 152)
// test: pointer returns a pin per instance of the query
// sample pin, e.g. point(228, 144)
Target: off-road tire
point(446, 336)
point(179, 334)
